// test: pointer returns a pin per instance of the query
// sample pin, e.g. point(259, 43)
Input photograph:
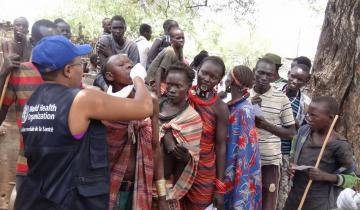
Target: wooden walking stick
point(4, 89)
point(318, 161)
point(6, 82)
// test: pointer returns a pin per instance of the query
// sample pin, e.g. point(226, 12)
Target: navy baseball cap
point(54, 52)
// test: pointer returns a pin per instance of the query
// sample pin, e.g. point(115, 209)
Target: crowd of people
point(155, 131)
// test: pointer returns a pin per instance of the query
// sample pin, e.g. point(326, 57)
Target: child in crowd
point(91, 65)
point(338, 155)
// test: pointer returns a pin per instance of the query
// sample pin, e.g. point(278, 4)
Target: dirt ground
point(9, 147)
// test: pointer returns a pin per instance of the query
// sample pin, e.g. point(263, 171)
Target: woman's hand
point(181, 153)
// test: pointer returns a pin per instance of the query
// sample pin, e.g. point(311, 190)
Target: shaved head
point(112, 59)
point(23, 20)
point(117, 71)
point(21, 28)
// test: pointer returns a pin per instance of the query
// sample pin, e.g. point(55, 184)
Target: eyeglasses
point(77, 64)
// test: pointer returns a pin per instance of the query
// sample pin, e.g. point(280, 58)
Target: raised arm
point(93, 104)
point(106, 107)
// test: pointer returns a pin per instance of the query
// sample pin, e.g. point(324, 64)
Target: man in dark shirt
point(114, 43)
point(117, 43)
point(165, 58)
point(161, 42)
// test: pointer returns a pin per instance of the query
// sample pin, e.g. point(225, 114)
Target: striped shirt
point(277, 110)
point(22, 84)
point(295, 105)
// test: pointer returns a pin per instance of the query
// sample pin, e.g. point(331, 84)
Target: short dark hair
point(303, 67)
point(173, 29)
point(303, 60)
point(49, 76)
point(144, 28)
point(168, 22)
point(59, 20)
point(265, 60)
point(198, 58)
point(24, 18)
point(331, 104)
point(244, 75)
point(62, 22)
point(183, 68)
point(105, 19)
point(118, 18)
point(35, 29)
point(217, 61)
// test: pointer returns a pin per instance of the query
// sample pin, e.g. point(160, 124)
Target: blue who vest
point(64, 173)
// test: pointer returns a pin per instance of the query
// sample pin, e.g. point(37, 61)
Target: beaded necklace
point(197, 100)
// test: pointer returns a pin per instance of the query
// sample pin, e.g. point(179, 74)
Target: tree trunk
point(337, 65)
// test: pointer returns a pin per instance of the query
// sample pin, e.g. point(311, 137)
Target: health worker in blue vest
point(64, 139)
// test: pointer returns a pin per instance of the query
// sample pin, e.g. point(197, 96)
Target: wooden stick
point(4, 89)
point(318, 161)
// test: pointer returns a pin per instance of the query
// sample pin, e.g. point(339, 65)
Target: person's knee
point(271, 188)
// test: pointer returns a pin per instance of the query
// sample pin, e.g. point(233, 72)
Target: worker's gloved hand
point(348, 200)
point(138, 71)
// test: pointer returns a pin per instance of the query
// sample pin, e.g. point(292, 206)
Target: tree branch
point(199, 5)
point(167, 8)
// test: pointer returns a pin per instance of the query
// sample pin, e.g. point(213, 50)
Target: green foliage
point(90, 13)
point(201, 32)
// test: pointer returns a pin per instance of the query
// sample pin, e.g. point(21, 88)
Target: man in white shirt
point(143, 42)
